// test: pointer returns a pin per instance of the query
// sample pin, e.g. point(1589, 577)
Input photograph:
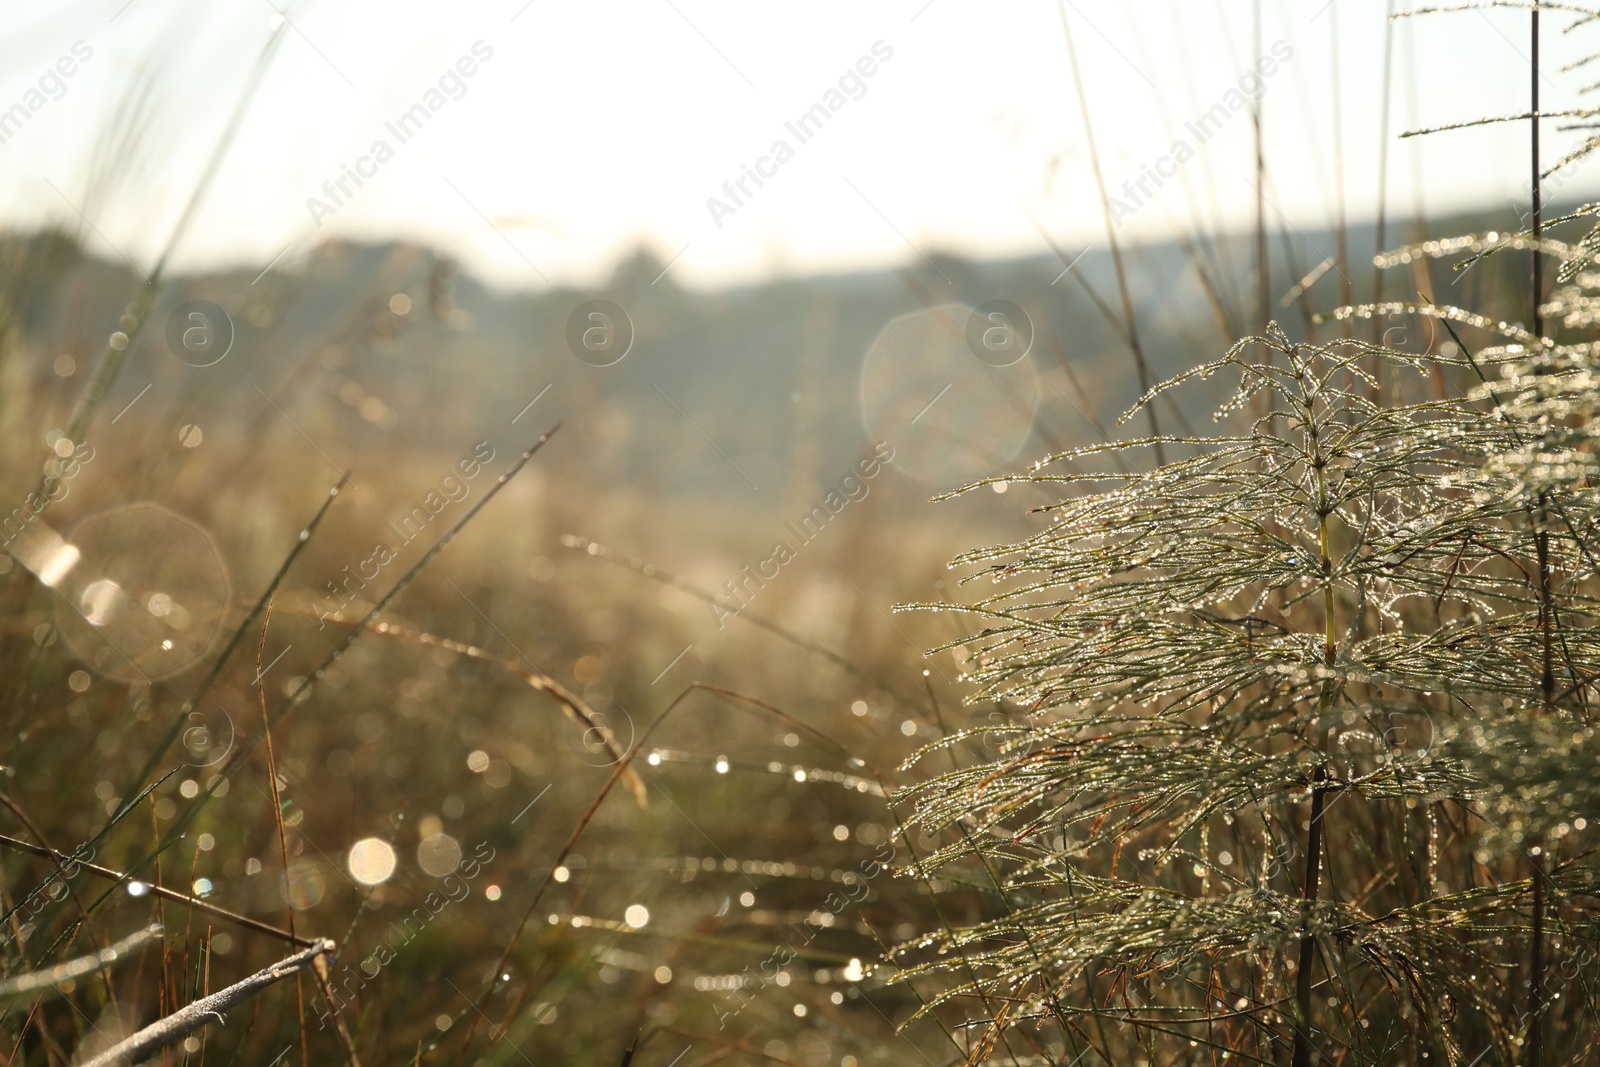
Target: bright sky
point(587, 129)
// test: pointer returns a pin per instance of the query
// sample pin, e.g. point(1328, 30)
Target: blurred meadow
point(604, 754)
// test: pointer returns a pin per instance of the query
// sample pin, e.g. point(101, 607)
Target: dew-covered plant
point(1287, 735)
point(1300, 765)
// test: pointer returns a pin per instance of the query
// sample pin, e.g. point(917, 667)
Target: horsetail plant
point(1284, 728)
point(1300, 764)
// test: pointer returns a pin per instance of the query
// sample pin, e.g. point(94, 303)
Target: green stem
point(1546, 607)
point(1313, 868)
point(1308, 944)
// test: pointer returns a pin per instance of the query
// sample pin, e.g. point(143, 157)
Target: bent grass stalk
point(573, 705)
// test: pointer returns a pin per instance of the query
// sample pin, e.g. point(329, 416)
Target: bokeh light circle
point(371, 861)
point(146, 597)
point(304, 885)
point(439, 855)
point(949, 416)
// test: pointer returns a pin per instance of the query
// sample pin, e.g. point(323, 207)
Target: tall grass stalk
point(1130, 324)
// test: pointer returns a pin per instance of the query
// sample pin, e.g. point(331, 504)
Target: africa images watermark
point(1250, 87)
point(746, 985)
point(804, 127)
point(453, 888)
point(452, 85)
point(51, 85)
point(453, 489)
point(60, 470)
point(46, 892)
point(851, 489)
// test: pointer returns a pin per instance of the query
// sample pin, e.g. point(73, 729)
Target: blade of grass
point(618, 771)
point(88, 846)
point(182, 822)
point(677, 581)
point(569, 702)
point(116, 352)
point(119, 877)
point(277, 817)
point(61, 869)
point(238, 636)
point(54, 979)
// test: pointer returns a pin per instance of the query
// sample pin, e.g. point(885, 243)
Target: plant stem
point(1535, 1054)
point(58, 979)
point(1330, 654)
point(1547, 607)
point(1383, 179)
point(1263, 282)
point(277, 815)
point(1536, 984)
point(174, 1027)
point(1140, 365)
point(1538, 192)
point(63, 861)
point(1341, 238)
point(1308, 944)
